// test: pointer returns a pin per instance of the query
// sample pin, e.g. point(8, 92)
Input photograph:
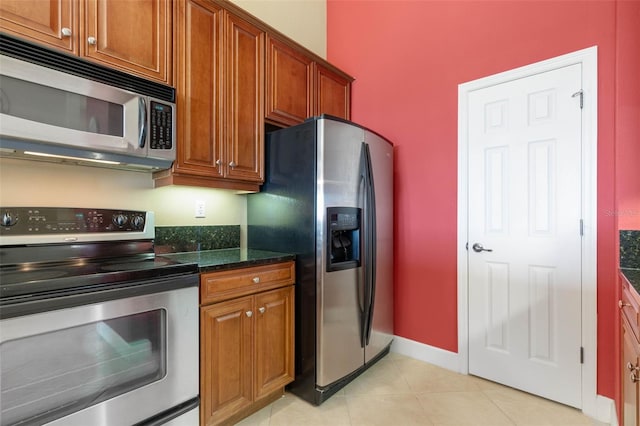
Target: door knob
point(477, 247)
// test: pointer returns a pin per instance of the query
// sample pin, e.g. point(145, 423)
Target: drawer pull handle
point(262, 310)
point(256, 280)
point(621, 304)
point(249, 314)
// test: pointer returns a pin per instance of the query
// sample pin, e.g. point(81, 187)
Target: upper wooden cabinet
point(133, 36)
point(300, 86)
point(233, 73)
point(244, 89)
point(289, 83)
point(333, 93)
point(220, 96)
point(50, 22)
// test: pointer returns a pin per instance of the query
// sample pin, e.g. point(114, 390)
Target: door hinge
point(581, 94)
point(581, 227)
point(581, 355)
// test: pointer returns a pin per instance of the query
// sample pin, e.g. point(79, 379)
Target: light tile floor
point(401, 391)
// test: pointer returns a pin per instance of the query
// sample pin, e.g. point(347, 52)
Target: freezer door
point(381, 331)
point(339, 292)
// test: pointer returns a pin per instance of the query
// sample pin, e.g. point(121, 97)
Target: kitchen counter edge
point(222, 259)
point(632, 276)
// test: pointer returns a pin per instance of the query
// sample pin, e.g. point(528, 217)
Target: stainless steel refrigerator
point(328, 198)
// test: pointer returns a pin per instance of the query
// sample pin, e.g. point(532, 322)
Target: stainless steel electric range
point(94, 328)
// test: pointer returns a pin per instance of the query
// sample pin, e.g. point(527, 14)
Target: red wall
point(408, 58)
point(628, 115)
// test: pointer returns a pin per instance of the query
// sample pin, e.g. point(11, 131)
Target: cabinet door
point(198, 88)
point(333, 93)
point(244, 130)
point(42, 21)
point(289, 84)
point(630, 374)
point(226, 335)
point(274, 340)
point(131, 35)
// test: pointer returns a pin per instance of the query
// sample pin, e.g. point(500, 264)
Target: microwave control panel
point(161, 126)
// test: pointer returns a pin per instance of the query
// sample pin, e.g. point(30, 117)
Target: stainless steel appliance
point(328, 198)
point(94, 328)
point(56, 107)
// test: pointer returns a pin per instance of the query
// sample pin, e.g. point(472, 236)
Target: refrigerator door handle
point(371, 249)
point(363, 283)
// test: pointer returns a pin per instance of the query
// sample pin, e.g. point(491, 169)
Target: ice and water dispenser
point(343, 231)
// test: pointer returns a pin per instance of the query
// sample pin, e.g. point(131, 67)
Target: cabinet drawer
point(223, 285)
point(630, 307)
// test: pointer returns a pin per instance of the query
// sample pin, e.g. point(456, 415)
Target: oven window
point(60, 108)
point(47, 376)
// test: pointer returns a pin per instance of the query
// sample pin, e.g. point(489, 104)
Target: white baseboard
point(426, 353)
point(606, 410)
point(605, 407)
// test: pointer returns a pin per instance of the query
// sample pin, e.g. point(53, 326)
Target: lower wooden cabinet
point(630, 352)
point(630, 376)
point(246, 349)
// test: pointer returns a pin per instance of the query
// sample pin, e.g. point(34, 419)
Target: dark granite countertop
point(633, 276)
point(215, 260)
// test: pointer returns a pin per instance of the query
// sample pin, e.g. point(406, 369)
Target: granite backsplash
point(630, 249)
point(179, 239)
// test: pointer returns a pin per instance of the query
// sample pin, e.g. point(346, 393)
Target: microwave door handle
point(142, 121)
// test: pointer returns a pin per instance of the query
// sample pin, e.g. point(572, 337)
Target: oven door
point(111, 362)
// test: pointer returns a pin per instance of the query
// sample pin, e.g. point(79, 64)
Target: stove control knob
point(137, 222)
point(119, 220)
point(9, 219)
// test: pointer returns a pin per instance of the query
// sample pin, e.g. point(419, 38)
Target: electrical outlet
point(200, 208)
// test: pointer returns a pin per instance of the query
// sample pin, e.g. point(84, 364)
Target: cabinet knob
point(634, 377)
point(632, 367)
point(92, 40)
point(621, 304)
point(262, 309)
point(66, 32)
point(256, 280)
point(232, 164)
point(249, 314)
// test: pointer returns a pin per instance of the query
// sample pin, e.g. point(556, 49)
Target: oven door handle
point(16, 306)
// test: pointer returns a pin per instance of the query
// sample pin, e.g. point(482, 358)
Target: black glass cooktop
point(30, 279)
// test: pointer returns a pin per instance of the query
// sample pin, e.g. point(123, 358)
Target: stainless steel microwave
point(49, 113)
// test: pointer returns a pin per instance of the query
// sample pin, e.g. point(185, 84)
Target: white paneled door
point(524, 290)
